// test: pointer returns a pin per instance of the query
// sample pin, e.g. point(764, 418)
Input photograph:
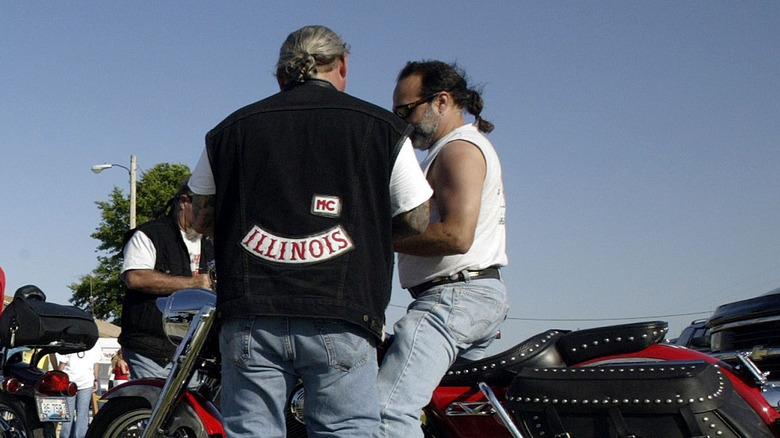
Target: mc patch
point(323, 205)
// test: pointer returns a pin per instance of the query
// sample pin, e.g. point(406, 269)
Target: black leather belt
point(491, 272)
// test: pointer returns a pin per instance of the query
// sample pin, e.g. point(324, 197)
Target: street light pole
point(132, 170)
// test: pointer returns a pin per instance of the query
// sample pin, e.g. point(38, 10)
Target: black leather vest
point(303, 221)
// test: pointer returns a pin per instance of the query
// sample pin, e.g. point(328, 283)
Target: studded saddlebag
point(651, 400)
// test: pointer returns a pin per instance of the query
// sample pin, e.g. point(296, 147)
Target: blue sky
point(640, 141)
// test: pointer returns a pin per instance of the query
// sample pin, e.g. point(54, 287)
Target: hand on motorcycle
point(202, 281)
point(158, 283)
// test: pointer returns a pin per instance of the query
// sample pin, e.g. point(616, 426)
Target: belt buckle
point(456, 276)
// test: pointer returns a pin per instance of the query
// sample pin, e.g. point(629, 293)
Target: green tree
point(101, 291)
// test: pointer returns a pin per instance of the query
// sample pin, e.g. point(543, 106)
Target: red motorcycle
point(617, 381)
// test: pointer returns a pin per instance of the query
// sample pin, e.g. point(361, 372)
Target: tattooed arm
point(410, 223)
point(203, 210)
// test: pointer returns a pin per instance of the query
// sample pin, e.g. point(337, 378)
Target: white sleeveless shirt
point(489, 246)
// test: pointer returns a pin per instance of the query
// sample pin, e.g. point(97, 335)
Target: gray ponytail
point(308, 51)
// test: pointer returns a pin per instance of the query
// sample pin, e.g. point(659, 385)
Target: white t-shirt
point(408, 186)
point(140, 253)
point(80, 366)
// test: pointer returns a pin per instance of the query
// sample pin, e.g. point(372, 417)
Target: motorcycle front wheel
point(127, 417)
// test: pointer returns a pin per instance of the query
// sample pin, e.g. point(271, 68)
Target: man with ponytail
point(304, 192)
point(452, 270)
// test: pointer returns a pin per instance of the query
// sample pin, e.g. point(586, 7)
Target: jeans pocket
point(346, 347)
point(476, 313)
point(234, 339)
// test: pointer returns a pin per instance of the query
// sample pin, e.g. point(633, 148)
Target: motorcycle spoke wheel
point(127, 418)
point(13, 421)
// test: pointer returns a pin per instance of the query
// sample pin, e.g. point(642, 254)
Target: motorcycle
point(603, 382)
point(172, 407)
point(33, 400)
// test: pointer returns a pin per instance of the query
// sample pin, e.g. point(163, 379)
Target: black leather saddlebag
point(650, 400)
point(35, 323)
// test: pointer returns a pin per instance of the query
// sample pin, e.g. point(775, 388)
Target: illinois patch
point(311, 249)
point(323, 205)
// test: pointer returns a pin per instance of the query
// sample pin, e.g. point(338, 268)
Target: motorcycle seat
point(556, 348)
point(499, 369)
point(588, 344)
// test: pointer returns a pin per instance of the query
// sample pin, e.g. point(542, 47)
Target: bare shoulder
point(459, 159)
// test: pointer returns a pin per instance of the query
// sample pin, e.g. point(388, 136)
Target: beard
point(192, 235)
point(425, 130)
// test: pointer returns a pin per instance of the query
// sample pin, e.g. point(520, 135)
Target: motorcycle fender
point(193, 406)
point(148, 389)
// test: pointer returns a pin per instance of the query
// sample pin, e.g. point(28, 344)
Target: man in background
point(160, 257)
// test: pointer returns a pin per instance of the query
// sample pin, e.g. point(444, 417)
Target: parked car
point(696, 336)
point(749, 326)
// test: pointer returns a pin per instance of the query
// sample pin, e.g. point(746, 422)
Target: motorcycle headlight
point(180, 308)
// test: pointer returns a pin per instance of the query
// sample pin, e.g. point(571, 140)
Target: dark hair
point(170, 207)
point(438, 76)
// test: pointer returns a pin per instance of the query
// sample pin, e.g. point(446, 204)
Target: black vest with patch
point(303, 220)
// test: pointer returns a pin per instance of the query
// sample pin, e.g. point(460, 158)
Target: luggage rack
point(39, 351)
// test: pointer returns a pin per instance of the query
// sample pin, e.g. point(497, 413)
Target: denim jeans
point(263, 358)
point(457, 320)
point(79, 415)
point(142, 367)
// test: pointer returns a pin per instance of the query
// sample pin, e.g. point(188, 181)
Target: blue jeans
point(79, 415)
point(142, 367)
point(457, 320)
point(263, 358)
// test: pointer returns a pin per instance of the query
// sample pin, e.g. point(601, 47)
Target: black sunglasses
point(403, 111)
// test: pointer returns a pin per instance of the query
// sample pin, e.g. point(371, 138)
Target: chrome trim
point(467, 409)
point(757, 354)
point(758, 376)
point(761, 320)
point(502, 414)
point(182, 371)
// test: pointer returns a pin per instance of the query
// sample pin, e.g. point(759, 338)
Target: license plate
point(52, 408)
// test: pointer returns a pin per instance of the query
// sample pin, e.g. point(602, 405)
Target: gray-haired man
point(304, 192)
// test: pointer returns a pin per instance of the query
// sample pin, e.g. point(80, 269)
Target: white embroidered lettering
point(312, 249)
